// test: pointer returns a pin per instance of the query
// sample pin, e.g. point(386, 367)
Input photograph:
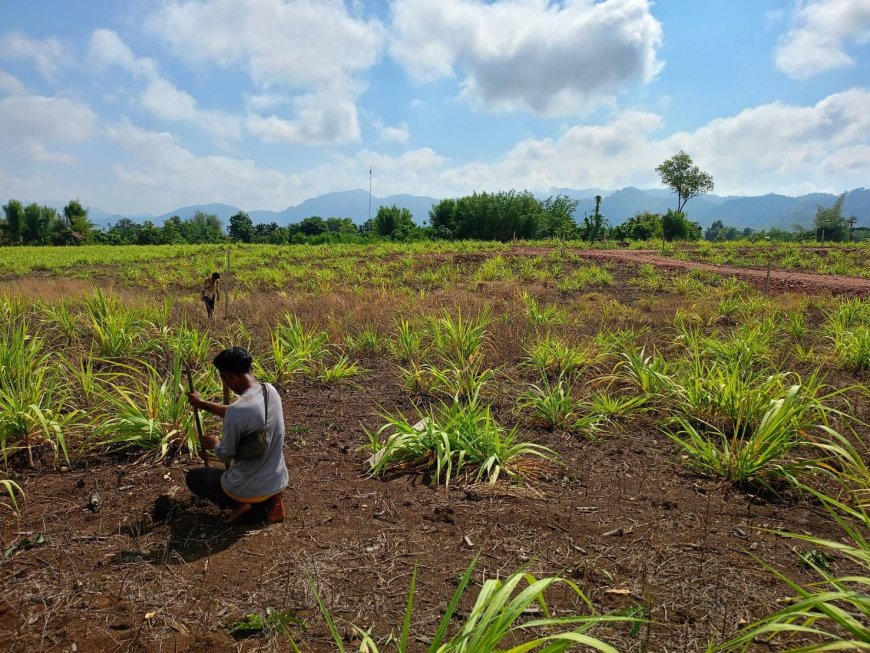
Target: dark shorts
point(209, 304)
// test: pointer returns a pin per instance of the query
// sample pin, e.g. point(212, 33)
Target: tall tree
point(684, 178)
point(830, 223)
point(393, 222)
point(39, 223)
point(241, 228)
point(595, 225)
point(76, 218)
point(14, 226)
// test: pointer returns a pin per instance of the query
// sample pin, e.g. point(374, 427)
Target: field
point(679, 458)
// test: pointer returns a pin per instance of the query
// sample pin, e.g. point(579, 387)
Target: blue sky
point(143, 107)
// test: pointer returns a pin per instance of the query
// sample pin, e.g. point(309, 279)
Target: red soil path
point(780, 280)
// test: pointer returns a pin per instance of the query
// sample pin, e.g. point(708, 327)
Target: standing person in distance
point(253, 441)
point(211, 292)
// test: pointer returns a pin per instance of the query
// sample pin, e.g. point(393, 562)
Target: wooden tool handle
point(202, 452)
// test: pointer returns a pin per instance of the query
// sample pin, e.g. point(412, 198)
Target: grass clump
point(34, 394)
point(449, 439)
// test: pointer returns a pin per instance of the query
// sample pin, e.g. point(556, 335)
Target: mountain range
point(757, 212)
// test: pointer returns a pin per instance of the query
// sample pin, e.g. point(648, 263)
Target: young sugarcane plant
point(450, 438)
point(496, 619)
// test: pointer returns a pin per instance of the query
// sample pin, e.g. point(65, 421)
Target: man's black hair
point(215, 275)
point(235, 360)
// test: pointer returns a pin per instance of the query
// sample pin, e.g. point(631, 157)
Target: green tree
point(557, 217)
point(442, 217)
point(76, 218)
point(312, 226)
point(148, 234)
point(203, 227)
point(676, 226)
point(595, 225)
point(270, 233)
point(172, 231)
point(124, 232)
point(340, 226)
point(13, 227)
point(640, 226)
point(393, 222)
point(40, 223)
point(830, 223)
point(684, 178)
point(241, 228)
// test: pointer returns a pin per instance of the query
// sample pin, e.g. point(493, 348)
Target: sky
point(146, 106)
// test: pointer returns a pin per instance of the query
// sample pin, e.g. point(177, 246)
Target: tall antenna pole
point(370, 193)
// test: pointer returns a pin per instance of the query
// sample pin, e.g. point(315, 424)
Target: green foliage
point(553, 355)
point(830, 223)
point(152, 415)
point(241, 228)
point(748, 451)
point(595, 225)
point(676, 226)
point(504, 216)
point(273, 620)
point(550, 403)
point(641, 226)
point(34, 394)
point(11, 488)
point(496, 619)
point(448, 439)
point(684, 178)
point(832, 613)
point(393, 222)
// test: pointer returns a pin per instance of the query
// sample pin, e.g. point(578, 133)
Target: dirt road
point(782, 281)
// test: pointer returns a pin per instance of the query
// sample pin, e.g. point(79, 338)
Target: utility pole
point(370, 193)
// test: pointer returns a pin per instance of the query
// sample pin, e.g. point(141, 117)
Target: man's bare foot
point(240, 511)
point(275, 509)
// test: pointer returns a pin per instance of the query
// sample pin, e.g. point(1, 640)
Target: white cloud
point(552, 58)
point(770, 148)
point(47, 55)
point(161, 98)
point(10, 85)
point(313, 48)
point(166, 175)
point(822, 28)
point(29, 123)
point(393, 133)
point(320, 119)
point(107, 49)
point(790, 147)
point(258, 102)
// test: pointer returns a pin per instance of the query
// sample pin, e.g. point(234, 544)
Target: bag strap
point(265, 406)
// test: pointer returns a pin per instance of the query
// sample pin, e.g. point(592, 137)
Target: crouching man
point(252, 442)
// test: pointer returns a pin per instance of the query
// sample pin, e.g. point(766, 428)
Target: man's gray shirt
point(261, 477)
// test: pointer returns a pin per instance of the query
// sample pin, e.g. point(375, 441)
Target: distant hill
point(758, 212)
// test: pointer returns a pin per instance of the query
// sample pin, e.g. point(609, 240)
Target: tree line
point(502, 216)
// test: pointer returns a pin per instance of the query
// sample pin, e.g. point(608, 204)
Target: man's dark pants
point(205, 482)
point(209, 304)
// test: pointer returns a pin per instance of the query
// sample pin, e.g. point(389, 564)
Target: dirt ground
point(621, 516)
point(780, 280)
